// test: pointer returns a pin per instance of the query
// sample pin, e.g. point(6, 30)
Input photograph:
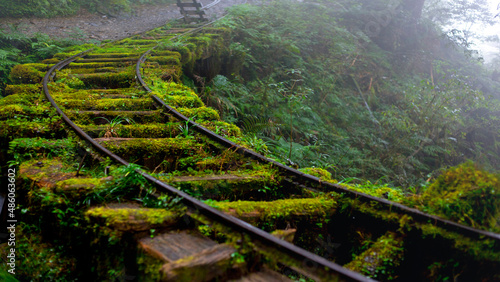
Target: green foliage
point(5, 276)
point(111, 126)
point(39, 261)
point(343, 102)
point(125, 184)
point(16, 48)
point(467, 195)
point(24, 149)
point(52, 8)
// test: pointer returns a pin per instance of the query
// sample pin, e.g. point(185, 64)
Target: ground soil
point(100, 27)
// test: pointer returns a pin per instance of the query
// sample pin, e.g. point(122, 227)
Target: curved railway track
point(152, 125)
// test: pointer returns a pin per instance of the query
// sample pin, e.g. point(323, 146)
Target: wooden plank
point(171, 247)
point(204, 266)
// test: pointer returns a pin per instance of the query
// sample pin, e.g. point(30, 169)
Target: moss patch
point(77, 188)
point(132, 219)
point(467, 195)
point(380, 260)
point(106, 104)
point(94, 117)
point(151, 130)
point(318, 172)
point(26, 74)
point(23, 88)
point(202, 113)
point(313, 208)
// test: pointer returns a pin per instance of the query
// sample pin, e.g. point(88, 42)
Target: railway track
point(207, 208)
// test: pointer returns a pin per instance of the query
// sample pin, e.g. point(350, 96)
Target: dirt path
point(100, 27)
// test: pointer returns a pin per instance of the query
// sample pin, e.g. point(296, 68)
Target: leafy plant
point(256, 143)
point(185, 128)
point(127, 183)
point(112, 126)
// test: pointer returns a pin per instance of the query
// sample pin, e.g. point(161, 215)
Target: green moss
point(28, 148)
point(22, 98)
point(166, 60)
point(91, 70)
point(108, 80)
point(180, 101)
point(202, 113)
point(91, 103)
point(26, 74)
point(95, 65)
point(381, 259)
point(44, 169)
point(131, 42)
point(23, 88)
point(74, 82)
point(318, 172)
point(40, 67)
point(19, 128)
point(151, 130)
point(128, 60)
point(380, 191)
point(9, 109)
point(186, 55)
point(374, 210)
point(86, 118)
point(51, 61)
point(219, 162)
point(222, 128)
point(234, 185)
point(173, 88)
point(62, 56)
point(467, 195)
point(114, 55)
point(310, 207)
point(120, 217)
point(169, 150)
point(78, 188)
point(149, 267)
point(167, 53)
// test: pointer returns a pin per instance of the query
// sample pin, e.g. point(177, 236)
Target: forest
point(368, 90)
point(389, 98)
point(374, 91)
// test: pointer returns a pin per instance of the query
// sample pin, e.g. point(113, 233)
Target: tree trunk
point(414, 8)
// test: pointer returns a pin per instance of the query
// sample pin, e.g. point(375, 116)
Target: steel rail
point(320, 263)
point(325, 186)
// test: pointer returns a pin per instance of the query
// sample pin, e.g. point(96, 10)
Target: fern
point(260, 124)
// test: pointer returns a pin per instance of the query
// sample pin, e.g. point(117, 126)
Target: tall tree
point(461, 17)
point(414, 8)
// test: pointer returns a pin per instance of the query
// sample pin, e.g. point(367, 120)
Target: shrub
point(466, 194)
point(25, 74)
